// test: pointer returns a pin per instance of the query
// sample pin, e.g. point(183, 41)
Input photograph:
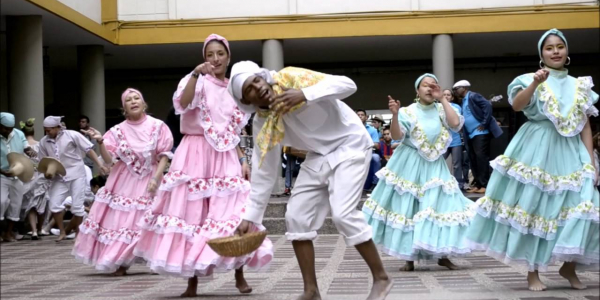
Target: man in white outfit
point(68, 147)
point(306, 114)
point(11, 195)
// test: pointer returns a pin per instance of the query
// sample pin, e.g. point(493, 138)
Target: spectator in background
point(377, 122)
point(479, 128)
point(456, 146)
point(84, 124)
point(386, 146)
point(375, 159)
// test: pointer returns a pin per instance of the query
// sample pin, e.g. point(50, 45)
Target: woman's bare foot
point(445, 262)
point(240, 282)
point(312, 295)
point(192, 288)
point(380, 289)
point(121, 271)
point(568, 272)
point(535, 284)
point(408, 267)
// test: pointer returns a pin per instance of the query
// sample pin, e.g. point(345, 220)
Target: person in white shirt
point(69, 147)
point(306, 114)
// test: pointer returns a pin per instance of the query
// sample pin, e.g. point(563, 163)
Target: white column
point(91, 77)
point(26, 69)
point(443, 60)
point(272, 53)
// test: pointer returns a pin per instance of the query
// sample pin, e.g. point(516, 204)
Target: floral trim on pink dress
point(107, 236)
point(228, 139)
point(200, 188)
point(123, 203)
point(139, 165)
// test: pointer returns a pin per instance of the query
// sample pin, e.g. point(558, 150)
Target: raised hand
point(540, 76)
point(93, 133)
point(287, 100)
point(436, 91)
point(205, 68)
point(393, 105)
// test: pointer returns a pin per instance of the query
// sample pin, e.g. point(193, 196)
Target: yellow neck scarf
point(273, 131)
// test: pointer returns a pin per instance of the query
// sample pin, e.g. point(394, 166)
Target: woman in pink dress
point(140, 148)
point(205, 191)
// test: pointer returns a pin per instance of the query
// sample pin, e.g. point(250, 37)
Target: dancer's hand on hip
point(243, 228)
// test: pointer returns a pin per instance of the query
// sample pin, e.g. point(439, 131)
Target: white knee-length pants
point(317, 192)
point(60, 190)
point(11, 197)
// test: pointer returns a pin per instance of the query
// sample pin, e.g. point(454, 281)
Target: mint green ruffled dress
point(417, 210)
point(541, 205)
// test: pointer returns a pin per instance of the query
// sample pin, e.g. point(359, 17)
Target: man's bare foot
point(408, 267)
point(535, 284)
point(192, 288)
point(314, 295)
point(445, 262)
point(241, 284)
point(568, 272)
point(380, 289)
point(7, 237)
point(121, 271)
point(61, 237)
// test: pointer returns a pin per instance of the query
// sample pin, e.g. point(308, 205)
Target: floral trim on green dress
point(527, 223)
point(429, 151)
point(402, 185)
point(406, 223)
point(576, 118)
point(551, 184)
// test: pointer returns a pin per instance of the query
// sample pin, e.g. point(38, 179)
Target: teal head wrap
point(546, 34)
point(421, 79)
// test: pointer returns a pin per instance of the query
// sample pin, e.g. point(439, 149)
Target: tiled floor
point(46, 270)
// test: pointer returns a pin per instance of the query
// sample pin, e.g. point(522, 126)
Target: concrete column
point(26, 69)
point(273, 54)
point(90, 60)
point(443, 60)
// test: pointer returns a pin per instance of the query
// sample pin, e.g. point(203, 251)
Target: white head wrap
point(240, 72)
point(52, 121)
point(7, 119)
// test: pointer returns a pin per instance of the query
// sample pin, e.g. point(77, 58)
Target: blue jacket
point(482, 111)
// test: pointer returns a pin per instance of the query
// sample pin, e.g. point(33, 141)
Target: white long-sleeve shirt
point(326, 127)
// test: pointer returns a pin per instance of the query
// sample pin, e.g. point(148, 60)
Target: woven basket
point(234, 246)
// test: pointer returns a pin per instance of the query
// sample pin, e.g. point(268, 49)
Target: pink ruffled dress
point(204, 194)
point(109, 234)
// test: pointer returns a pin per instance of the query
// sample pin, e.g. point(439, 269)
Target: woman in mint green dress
point(417, 210)
point(541, 205)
